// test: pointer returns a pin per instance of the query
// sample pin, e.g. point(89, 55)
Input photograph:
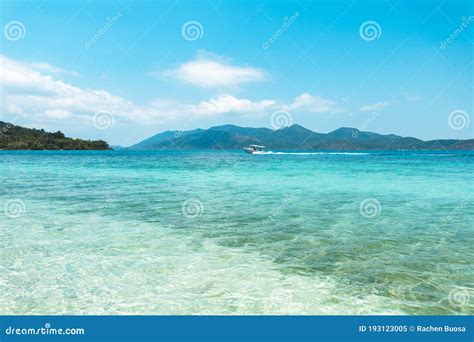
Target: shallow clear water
point(127, 232)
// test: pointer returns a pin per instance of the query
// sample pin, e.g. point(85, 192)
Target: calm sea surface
point(215, 232)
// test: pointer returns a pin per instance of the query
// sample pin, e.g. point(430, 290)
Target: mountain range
point(294, 137)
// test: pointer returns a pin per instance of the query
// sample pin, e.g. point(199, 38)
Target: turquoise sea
point(223, 232)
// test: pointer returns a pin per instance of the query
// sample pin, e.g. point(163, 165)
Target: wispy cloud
point(375, 106)
point(37, 95)
point(412, 97)
point(313, 104)
point(58, 113)
point(46, 67)
point(211, 71)
point(225, 103)
point(28, 92)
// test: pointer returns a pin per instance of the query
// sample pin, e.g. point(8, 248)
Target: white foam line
point(317, 153)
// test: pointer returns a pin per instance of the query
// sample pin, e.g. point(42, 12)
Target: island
point(294, 137)
point(14, 137)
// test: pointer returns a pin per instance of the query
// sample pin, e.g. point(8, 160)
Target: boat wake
point(315, 153)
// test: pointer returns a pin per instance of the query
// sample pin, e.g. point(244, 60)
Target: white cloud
point(211, 71)
point(58, 114)
point(412, 97)
point(225, 103)
point(46, 67)
point(375, 106)
point(38, 97)
point(313, 104)
point(31, 94)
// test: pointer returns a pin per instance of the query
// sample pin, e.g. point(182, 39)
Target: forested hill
point(294, 137)
point(20, 138)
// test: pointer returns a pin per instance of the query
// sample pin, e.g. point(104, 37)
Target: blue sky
point(125, 70)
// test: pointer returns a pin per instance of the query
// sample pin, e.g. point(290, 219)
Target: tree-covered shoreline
point(14, 137)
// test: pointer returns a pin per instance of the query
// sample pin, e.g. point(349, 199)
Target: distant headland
point(20, 138)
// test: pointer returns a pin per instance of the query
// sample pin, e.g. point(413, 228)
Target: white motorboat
point(254, 149)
